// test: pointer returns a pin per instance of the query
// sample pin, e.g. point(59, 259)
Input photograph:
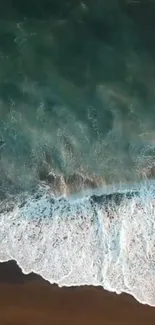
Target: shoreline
point(28, 299)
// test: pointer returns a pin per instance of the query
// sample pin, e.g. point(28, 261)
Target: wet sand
point(28, 299)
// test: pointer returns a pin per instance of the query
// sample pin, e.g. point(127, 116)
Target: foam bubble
point(105, 240)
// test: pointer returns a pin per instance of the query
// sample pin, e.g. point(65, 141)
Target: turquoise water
point(76, 93)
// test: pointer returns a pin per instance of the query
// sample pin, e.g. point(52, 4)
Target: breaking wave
point(105, 239)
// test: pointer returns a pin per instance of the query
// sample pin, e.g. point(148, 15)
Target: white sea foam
point(93, 241)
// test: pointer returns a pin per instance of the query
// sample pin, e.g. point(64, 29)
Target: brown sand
point(29, 300)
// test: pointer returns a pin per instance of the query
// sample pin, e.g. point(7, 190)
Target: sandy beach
point(28, 299)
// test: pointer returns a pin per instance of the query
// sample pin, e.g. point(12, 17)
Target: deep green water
point(77, 90)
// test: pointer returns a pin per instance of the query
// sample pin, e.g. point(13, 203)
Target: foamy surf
point(105, 240)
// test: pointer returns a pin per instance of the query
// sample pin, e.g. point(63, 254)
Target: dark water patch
point(11, 91)
point(7, 43)
point(114, 198)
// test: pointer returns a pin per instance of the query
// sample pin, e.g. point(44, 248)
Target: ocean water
point(77, 142)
